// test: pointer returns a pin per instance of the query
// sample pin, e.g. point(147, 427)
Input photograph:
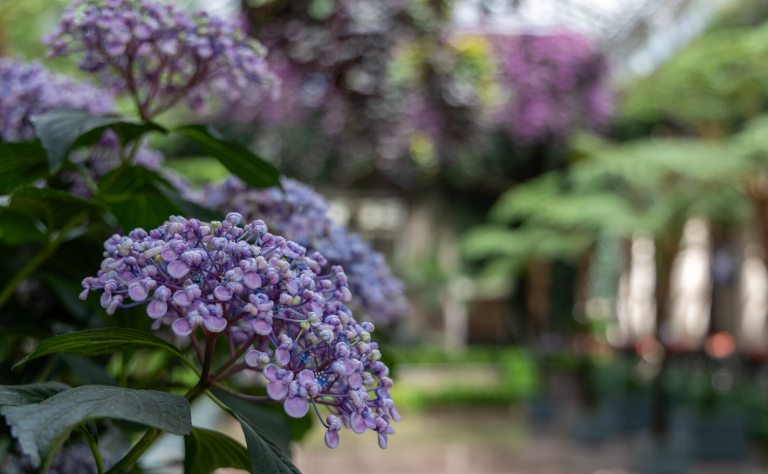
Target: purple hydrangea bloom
point(301, 214)
point(159, 54)
point(28, 88)
point(270, 299)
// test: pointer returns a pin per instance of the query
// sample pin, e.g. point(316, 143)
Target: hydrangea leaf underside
point(42, 427)
point(30, 393)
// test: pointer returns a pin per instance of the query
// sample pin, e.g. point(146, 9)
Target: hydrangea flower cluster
point(270, 299)
point(301, 214)
point(28, 88)
point(159, 54)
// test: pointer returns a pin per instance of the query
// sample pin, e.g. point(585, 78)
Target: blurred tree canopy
point(709, 89)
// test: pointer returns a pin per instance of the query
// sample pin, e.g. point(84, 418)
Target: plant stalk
point(138, 450)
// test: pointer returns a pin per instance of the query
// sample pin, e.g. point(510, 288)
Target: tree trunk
point(666, 250)
point(537, 297)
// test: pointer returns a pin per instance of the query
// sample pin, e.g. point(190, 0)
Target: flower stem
point(235, 357)
point(94, 450)
point(151, 435)
point(244, 396)
point(34, 263)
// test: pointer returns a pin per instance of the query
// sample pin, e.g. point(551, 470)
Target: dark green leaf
point(127, 131)
point(21, 163)
point(17, 228)
point(236, 158)
point(272, 424)
point(92, 342)
point(206, 450)
point(59, 129)
point(52, 207)
point(88, 371)
point(267, 434)
point(265, 456)
point(62, 130)
point(30, 393)
point(140, 197)
point(41, 427)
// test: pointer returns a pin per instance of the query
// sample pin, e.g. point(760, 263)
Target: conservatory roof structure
point(636, 34)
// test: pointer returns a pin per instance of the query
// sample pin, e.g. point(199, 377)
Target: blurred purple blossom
point(557, 82)
point(301, 214)
point(28, 88)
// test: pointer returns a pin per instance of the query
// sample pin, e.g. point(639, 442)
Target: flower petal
point(178, 269)
point(137, 292)
point(282, 356)
point(261, 327)
point(306, 376)
point(215, 324)
point(357, 423)
point(156, 309)
point(277, 390)
point(252, 280)
point(182, 327)
point(332, 439)
point(296, 407)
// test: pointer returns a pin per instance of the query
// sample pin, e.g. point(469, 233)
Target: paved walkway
point(482, 442)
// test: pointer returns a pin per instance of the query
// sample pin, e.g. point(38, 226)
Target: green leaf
point(88, 371)
point(30, 393)
point(140, 197)
point(18, 228)
point(127, 131)
point(206, 450)
point(320, 9)
point(272, 424)
point(40, 428)
point(236, 158)
point(265, 456)
point(62, 130)
point(52, 207)
point(267, 435)
point(99, 341)
point(59, 129)
point(21, 163)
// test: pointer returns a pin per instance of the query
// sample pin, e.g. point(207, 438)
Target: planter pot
point(592, 428)
point(668, 456)
point(541, 410)
point(629, 413)
point(720, 437)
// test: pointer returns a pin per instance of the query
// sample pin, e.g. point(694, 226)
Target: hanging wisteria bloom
point(301, 214)
point(159, 54)
point(28, 88)
point(281, 314)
